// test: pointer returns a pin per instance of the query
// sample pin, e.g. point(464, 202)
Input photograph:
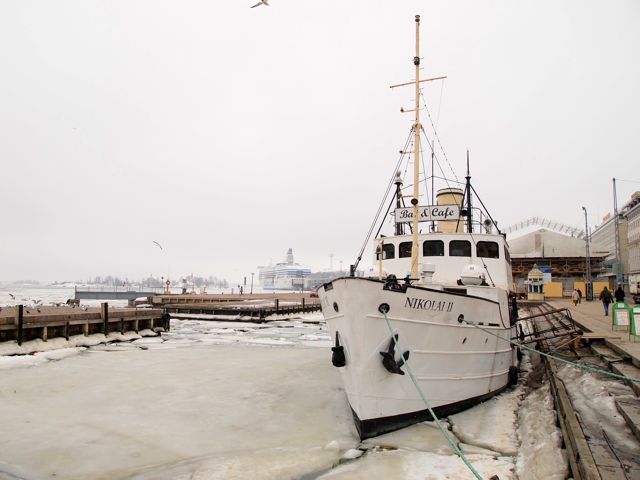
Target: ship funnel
point(450, 196)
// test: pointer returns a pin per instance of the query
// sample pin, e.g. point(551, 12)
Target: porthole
point(486, 339)
point(464, 340)
point(335, 307)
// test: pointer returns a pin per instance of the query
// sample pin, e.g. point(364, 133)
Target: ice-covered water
point(214, 400)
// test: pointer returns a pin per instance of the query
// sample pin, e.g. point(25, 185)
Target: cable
point(577, 365)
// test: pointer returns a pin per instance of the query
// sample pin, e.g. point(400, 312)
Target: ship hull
point(455, 365)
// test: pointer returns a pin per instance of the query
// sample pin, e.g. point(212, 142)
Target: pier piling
point(20, 320)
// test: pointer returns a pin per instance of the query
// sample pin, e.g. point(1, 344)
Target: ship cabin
point(448, 259)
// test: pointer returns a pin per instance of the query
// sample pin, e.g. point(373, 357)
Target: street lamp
point(589, 290)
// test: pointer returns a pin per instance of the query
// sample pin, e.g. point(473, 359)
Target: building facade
point(632, 214)
point(626, 269)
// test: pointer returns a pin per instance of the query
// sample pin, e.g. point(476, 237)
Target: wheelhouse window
point(388, 251)
point(487, 250)
point(507, 255)
point(404, 249)
point(433, 248)
point(459, 248)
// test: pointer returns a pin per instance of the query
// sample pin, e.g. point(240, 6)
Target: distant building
point(631, 212)
point(604, 236)
point(287, 275)
point(561, 259)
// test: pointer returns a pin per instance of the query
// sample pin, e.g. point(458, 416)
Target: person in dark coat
point(619, 294)
point(605, 296)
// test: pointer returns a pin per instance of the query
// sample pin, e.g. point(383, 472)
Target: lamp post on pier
point(588, 288)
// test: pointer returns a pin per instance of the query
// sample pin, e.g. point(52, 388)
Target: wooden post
point(44, 333)
point(104, 310)
point(85, 329)
point(135, 325)
point(66, 330)
point(277, 306)
point(303, 304)
point(122, 326)
point(20, 320)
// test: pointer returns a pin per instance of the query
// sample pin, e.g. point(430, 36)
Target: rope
point(562, 360)
point(444, 432)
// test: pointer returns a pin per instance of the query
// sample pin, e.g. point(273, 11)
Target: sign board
point(428, 213)
point(621, 315)
point(622, 318)
point(546, 274)
point(635, 318)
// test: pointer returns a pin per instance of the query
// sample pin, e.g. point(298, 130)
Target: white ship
point(442, 266)
point(287, 275)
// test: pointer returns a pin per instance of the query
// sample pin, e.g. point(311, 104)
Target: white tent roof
point(543, 243)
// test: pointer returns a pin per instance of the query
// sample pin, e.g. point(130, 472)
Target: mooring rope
point(444, 432)
point(568, 362)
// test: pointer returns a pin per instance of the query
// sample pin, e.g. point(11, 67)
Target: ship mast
point(416, 156)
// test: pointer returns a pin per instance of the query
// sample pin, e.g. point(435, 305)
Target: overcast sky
point(229, 134)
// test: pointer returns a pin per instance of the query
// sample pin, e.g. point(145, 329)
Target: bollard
point(277, 306)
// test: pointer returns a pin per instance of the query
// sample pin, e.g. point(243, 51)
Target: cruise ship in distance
point(287, 275)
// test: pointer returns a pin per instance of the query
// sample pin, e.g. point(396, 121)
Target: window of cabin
point(388, 251)
point(459, 248)
point(507, 255)
point(487, 250)
point(433, 248)
point(404, 249)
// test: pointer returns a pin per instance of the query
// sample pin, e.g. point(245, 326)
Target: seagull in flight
point(261, 2)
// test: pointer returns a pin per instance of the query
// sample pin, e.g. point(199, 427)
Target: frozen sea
point(226, 400)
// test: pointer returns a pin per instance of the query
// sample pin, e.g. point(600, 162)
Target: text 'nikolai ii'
point(431, 305)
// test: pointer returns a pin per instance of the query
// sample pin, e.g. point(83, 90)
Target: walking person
point(605, 296)
point(579, 296)
point(575, 298)
point(619, 294)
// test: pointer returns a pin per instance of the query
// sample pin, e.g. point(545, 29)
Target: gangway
point(545, 326)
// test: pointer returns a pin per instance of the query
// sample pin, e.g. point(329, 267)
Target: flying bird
point(159, 246)
point(261, 2)
point(12, 296)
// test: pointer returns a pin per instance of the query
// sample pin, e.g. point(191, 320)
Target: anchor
point(389, 360)
point(337, 357)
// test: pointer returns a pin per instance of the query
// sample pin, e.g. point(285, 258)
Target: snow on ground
point(409, 465)
point(540, 456)
point(38, 351)
point(491, 424)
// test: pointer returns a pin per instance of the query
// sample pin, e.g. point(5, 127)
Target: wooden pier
point(20, 323)
point(255, 308)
